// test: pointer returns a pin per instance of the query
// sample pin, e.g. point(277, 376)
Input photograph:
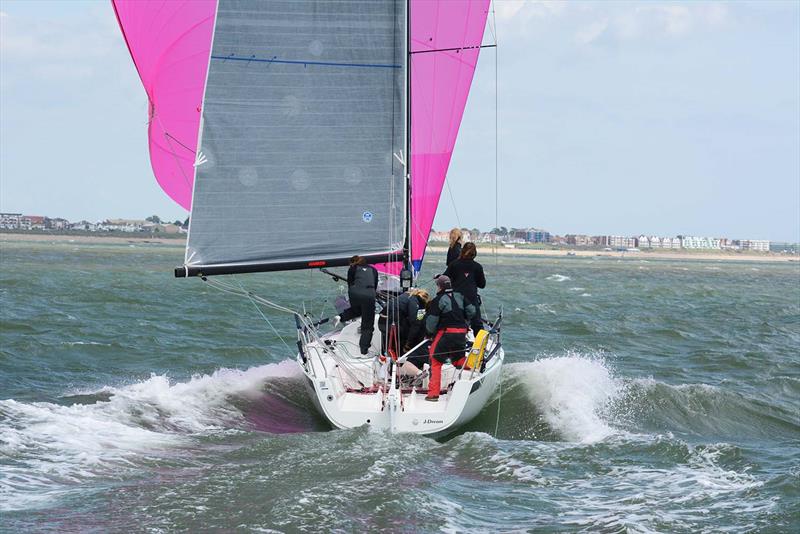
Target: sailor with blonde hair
point(454, 250)
point(405, 312)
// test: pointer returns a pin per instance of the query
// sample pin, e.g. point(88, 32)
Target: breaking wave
point(104, 431)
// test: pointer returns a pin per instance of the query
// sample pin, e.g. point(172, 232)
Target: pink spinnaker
point(170, 42)
point(440, 83)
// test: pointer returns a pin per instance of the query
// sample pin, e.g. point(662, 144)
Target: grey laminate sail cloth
point(303, 111)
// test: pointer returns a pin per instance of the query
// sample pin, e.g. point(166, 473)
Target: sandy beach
point(483, 249)
point(643, 255)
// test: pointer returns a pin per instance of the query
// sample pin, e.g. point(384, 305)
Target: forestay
point(302, 116)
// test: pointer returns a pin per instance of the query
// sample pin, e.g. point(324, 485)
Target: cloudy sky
point(659, 117)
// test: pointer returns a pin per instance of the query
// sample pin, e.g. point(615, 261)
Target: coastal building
point(699, 243)
point(122, 225)
point(658, 242)
point(10, 221)
point(441, 237)
point(85, 226)
point(579, 240)
point(56, 224)
point(31, 222)
point(618, 241)
point(759, 245)
point(538, 236)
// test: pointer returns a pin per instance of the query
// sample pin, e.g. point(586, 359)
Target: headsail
point(444, 37)
point(169, 42)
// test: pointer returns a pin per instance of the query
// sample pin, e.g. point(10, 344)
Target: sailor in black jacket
point(446, 321)
point(454, 251)
point(362, 280)
point(467, 276)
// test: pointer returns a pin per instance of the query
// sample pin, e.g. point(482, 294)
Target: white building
point(694, 242)
point(122, 225)
point(10, 221)
point(83, 225)
point(439, 237)
point(56, 224)
point(618, 241)
point(31, 222)
point(760, 245)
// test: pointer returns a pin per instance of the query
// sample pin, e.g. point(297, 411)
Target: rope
point(263, 316)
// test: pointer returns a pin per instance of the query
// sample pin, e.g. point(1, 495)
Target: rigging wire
point(452, 200)
point(496, 182)
point(263, 316)
point(496, 133)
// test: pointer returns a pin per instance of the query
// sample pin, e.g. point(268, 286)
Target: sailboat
point(301, 133)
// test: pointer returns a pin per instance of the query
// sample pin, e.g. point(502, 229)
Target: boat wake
point(568, 404)
point(104, 432)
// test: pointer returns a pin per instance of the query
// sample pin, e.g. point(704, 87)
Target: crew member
point(447, 318)
point(455, 246)
point(405, 311)
point(467, 276)
point(362, 279)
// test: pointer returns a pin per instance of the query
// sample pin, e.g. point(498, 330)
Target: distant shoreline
point(484, 250)
point(654, 254)
point(115, 239)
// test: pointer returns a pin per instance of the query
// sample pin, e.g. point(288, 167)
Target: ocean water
point(638, 396)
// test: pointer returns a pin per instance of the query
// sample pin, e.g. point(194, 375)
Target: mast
point(407, 250)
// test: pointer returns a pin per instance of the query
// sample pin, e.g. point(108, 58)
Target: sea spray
point(572, 392)
point(51, 442)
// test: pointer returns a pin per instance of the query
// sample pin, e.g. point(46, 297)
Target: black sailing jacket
point(453, 253)
point(362, 281)
point(448, 310)
point(466, 277)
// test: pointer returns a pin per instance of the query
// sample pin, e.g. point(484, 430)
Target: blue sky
point(624, 118)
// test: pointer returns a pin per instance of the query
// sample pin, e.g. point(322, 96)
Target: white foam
point(558, 278)
point(572, 393)
point(69, 443)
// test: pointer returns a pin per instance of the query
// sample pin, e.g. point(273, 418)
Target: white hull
point(347, 390)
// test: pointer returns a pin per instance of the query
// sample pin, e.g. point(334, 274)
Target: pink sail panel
point(170, 43)
point(440, 83)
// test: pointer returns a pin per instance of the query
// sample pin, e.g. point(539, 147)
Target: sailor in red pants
point(447, 322)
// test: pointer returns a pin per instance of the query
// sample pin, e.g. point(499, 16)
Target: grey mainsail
point(303, 113)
